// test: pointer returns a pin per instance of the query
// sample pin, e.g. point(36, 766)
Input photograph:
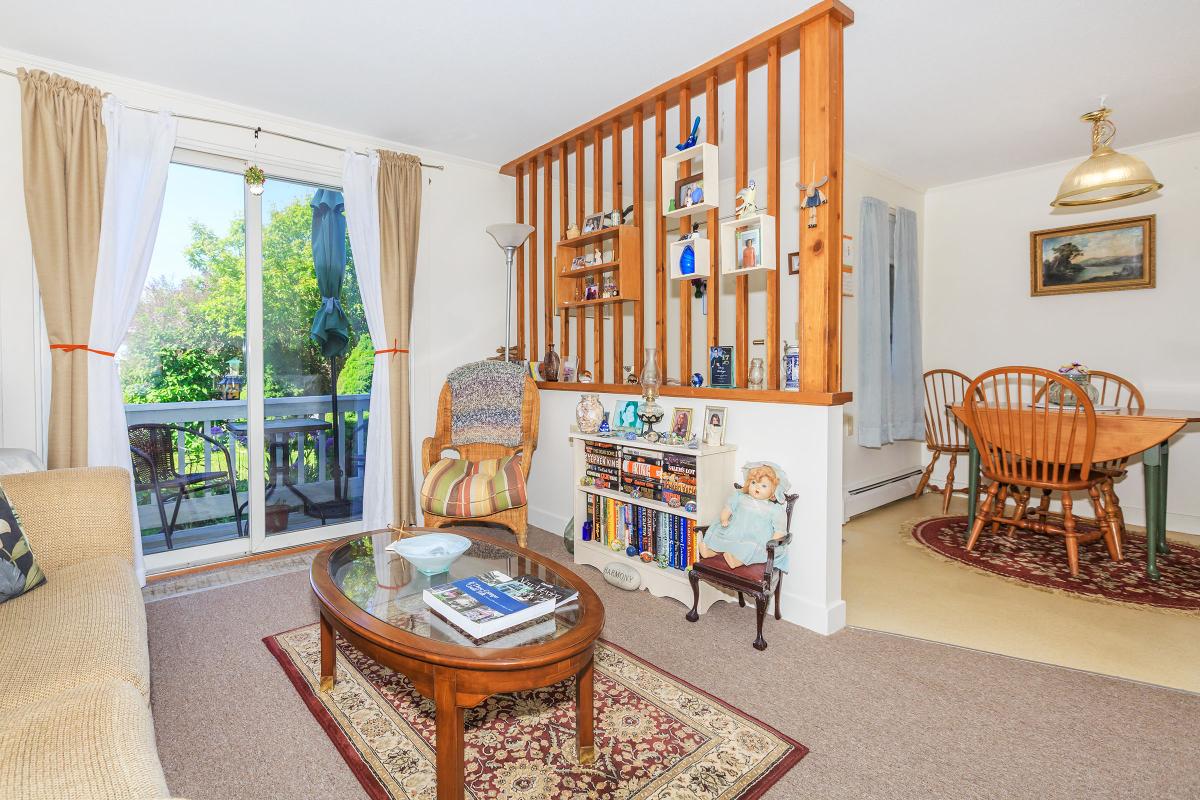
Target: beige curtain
point(64, 151)
point(399, 230)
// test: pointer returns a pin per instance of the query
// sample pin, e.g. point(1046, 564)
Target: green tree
point(184, 333)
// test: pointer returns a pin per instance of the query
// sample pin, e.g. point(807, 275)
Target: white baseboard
point(547, 520)
point(821, 619)
point(1180, 523)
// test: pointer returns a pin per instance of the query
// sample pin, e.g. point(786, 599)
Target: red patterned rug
point(657, 737)
point(1041, 560)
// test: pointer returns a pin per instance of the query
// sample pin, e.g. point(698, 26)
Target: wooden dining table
point(1120, 434)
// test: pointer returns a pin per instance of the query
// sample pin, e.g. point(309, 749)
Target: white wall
point(978, 312)
point(459, 299)
point(801, 439)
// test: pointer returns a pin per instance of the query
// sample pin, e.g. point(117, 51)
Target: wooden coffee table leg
point(449, 719)
point(585, 713)
point(328, 668)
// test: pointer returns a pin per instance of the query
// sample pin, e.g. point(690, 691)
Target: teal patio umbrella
point(331, 327)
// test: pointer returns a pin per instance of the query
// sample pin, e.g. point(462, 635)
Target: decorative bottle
point(549, 365)
point(756, 374)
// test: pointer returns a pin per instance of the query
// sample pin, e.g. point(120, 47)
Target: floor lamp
point(509, 236)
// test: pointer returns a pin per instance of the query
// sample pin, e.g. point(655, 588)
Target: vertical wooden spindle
point(519, 267)
point(618, 308)
point(660, 236)
point(742, 317)
point(597, 208)
point(712, 130)
point(534, 353)
point(685, 224)
point(581, 312)
point(548, 239)
point(564, 219)
point(639, 314)
point(773, 194)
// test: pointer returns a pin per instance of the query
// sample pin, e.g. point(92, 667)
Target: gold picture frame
point(1095, 257)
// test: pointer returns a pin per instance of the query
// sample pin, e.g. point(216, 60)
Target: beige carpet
point(884, 716)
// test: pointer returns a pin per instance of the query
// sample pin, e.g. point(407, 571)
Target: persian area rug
point(1041, 560)
point(657, 737)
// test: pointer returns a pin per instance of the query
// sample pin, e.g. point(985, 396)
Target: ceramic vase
point(550, 364)
point(791, 366)
point(589, 413)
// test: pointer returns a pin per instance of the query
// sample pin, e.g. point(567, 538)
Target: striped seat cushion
point(465, 489)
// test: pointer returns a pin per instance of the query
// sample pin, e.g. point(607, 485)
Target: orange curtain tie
point(394, 349)
point(67, 348)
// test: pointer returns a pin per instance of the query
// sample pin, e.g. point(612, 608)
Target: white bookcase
point(714, 482)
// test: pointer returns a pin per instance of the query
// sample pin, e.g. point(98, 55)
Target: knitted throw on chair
point(485, 403)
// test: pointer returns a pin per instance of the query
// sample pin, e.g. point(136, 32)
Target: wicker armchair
point(516, 517)
point(153, 451)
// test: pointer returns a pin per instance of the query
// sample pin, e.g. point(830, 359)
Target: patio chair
point(154, 452)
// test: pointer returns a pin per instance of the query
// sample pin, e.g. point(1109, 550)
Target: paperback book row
point(668, 539)
point(653, 474)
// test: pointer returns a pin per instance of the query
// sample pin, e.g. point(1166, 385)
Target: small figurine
point(688, 201)
point(597, 256)
point(691, 140)
point(744, 204)
point(697, 380)
point(752, 517)
point(813, 197)
point(572, 231)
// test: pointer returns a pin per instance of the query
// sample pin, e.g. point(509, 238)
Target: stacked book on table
point(487, 604)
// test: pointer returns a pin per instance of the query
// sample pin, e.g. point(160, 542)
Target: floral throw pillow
point(19, 571)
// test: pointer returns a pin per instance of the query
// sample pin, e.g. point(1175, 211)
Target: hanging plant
point(255, 178)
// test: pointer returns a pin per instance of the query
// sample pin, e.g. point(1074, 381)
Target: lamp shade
point(510, 234)
point(1106, 175)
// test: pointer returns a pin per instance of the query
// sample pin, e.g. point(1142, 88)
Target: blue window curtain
point(889, 395)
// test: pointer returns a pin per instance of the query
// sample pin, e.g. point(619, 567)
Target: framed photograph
point(714, 424)
point(626, 412)
point(720, 367)
point(794, 263)
point(1098, 257)
point(747, 244)
point(593, 223)
point(681, 422)
point(689, 191)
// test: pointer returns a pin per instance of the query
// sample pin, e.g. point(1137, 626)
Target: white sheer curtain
point(360, 187)
point(135, 181)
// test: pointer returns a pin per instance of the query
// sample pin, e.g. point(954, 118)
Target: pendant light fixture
point(1106, 175)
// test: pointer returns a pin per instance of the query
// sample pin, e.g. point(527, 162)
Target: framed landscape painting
point(1099, 257)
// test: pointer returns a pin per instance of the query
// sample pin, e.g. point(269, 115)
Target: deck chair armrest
point(431, 452)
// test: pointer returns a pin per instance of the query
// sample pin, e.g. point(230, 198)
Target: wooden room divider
point(548, 275)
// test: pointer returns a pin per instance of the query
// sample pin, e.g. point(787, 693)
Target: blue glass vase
point(687, 261)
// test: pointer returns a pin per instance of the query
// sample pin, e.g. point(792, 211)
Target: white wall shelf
point(702, 248)
point(707, 168)
point(714, 482)
point(765, 224)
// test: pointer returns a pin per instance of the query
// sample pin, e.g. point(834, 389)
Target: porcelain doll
point(752, 517)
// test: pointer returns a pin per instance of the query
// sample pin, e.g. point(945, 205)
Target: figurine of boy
point(752, 517)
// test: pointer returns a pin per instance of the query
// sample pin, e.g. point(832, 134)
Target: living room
point(319, 342)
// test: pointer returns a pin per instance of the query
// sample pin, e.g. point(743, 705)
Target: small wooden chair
point(943, 433)
point(1113, 391)
point(505, 489)
point(760, 580)
point(1026, 445)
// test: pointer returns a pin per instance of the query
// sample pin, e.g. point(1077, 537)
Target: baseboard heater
point(878, 493)
point(870, 487)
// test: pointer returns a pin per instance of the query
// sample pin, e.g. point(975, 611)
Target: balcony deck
point(210, 518)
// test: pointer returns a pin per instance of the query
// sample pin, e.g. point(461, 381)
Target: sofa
point(74, 667)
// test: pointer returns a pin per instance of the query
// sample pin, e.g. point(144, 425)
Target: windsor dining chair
point(944, 388)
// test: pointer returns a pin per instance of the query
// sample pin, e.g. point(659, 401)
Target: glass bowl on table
point(431, 553)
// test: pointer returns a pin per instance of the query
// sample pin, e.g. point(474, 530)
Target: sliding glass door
point(247, 432)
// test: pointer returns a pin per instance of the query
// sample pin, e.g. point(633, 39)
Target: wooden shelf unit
point(714, 481)
point(762, 222)
point(625, 264)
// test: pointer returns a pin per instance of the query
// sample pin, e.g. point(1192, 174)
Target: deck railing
point(213, 415)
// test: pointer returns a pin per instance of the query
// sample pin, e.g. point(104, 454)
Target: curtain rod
point(255, 129)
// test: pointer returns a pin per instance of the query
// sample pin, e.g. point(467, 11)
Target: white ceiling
point(937, 91)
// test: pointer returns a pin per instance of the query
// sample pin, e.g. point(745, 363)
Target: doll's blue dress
point(752, 524)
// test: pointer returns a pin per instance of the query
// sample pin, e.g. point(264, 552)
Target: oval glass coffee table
point(372, 598)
